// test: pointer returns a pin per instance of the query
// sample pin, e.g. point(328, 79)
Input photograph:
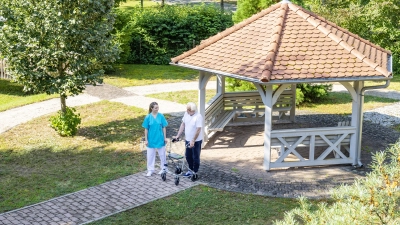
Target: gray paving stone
point(86, 206)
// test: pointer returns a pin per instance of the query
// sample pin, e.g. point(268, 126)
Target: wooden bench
point(287, 141)
point(249, 105)
point(233, 105)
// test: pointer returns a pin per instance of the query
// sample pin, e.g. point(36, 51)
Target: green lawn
point(36, 164)
point(129, 4)
point(127, 75)
point(205, 205)
point(11, 96)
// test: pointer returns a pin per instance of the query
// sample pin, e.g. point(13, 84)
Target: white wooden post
point(203, 79)
point(267, 100)
point(220, 85)
point(293, 109)
point(358, 120)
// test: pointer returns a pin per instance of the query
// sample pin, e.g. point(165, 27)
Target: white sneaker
point(148, 174)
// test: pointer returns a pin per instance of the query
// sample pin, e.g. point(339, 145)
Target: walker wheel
point(194, 177)
point(164, 176)
point(176, 180)
point(178, 170)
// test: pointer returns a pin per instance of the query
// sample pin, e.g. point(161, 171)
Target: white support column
point(203, 79)
point(267, 99)
point(357, 121)
point(293, 109)
point(220, 84)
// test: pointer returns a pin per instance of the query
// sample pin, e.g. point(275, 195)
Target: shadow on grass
point(30, 176)
point(115, 131)
point(10, 88)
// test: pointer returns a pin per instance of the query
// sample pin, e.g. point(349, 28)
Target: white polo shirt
point(191, 125)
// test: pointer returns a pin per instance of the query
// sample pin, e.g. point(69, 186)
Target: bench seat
point(222, 121)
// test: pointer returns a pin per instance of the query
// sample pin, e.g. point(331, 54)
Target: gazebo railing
point(312, 146)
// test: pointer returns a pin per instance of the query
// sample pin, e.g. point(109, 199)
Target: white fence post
point(3, 71)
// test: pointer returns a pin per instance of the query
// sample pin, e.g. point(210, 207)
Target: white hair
point(192, 106)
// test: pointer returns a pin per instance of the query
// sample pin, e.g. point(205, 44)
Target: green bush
point(66, 124)
point(304, 92)
point(374, 199)
point(311, 92)
point(233, 84)
point(154, 35)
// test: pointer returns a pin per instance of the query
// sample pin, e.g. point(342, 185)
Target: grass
point(129, 4)
point(37, 164)
point(206, 205)
point(127, 75)
point(340, 103)
point(12, 95)
point(182, 97)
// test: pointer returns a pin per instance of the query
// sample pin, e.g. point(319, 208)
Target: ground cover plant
point(11, 95)
point(37, 164)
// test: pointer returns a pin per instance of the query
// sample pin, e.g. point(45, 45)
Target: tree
point(57, 46)
point(374, 199)
point(247, 8)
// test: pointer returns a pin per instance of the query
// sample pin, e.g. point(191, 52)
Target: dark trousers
point(193, 155)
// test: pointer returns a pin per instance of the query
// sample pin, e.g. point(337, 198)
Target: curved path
point(232, 161)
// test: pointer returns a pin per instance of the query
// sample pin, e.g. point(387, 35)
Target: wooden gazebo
point(276, 49)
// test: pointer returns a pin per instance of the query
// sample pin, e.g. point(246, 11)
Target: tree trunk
point(222, 5)
point(141, 4)
point(63, 104)
point(162, 3)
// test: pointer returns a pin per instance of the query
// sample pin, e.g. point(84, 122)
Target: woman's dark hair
point(152, 106)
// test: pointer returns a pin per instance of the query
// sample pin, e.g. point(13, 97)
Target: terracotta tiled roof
point(286, 42)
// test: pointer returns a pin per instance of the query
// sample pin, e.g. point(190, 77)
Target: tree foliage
point(371, 200)
point(155, 35)
point(57, 46)
point(247, 8)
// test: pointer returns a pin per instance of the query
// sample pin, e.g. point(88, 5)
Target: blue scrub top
point(155, 135)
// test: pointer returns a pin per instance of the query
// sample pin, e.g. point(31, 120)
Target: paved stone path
point(231, 161)
point(97, 202)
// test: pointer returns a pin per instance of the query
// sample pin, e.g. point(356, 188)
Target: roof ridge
point(343, 30)
point(225, 33)
point(274, 44)
point(314, 22)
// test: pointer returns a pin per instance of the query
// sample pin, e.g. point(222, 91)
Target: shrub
point(304, 92)
point(66, 124)
point(374, 199)
point(154, 35)
point(312, 92)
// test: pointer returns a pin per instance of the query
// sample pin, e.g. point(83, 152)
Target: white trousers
point(151, 158)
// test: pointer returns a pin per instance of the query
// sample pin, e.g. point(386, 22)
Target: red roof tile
point(287, 42)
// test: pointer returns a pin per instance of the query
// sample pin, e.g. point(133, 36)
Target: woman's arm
point(145, 137)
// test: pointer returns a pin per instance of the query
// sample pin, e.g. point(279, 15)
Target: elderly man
point(192, 123)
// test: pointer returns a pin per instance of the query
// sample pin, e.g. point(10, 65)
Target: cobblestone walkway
point(96, 202)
